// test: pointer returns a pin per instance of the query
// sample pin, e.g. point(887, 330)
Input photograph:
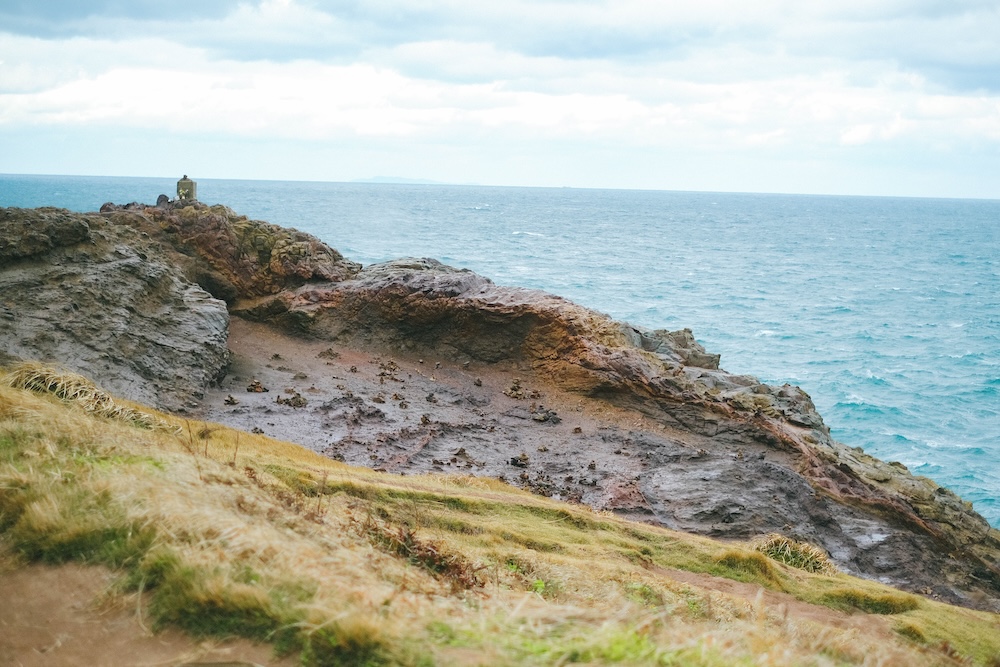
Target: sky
point(867, 97)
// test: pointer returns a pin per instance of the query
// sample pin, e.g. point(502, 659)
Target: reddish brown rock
point(232, 256)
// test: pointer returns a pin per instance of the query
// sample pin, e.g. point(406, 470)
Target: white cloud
point(804, 81)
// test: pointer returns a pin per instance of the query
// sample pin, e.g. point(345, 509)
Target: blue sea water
point(886, 310)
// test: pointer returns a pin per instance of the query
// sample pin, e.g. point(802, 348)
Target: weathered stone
point(96, 298)
point(421, 304)
point(24, 233)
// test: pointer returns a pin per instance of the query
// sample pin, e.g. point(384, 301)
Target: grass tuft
point(354, 641)
point(70, 524)
point(77, 389)
point(748, 566)
point(206, 604)
point(402, 540)
point(885, 603)
point(911, 632)
point(800, 555)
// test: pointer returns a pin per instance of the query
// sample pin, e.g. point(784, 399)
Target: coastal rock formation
point(96, 297)
point(705, 451)
point(230, 255)
point(869, 508)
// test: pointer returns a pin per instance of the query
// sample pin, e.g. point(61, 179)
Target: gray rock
point(92, 297)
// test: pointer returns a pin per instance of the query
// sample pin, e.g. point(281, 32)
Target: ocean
point(885, 310)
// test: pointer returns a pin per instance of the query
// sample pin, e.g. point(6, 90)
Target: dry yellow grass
point(796, 554)
point(238, 533)
point(77, 389)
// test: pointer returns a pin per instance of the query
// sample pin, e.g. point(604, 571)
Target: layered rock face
point(731, 457)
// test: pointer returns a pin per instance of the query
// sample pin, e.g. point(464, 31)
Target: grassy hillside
point(223, 533)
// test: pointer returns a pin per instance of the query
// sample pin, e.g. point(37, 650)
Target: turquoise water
point(887, 311)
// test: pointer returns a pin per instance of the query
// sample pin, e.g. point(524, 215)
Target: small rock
point(520, 461)
point(296, 401)
point(230, 400)
point(515, 390)
point(478, 382)
point(256, 387)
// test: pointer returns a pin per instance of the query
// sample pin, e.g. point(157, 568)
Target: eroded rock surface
point(97, 298)
point(230, 255)
point(413, 366)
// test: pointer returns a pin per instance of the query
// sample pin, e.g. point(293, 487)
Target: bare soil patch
point(59, 616)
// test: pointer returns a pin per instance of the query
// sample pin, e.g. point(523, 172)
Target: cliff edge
point(412, 366)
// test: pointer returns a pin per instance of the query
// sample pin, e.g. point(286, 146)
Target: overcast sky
point(887, 97)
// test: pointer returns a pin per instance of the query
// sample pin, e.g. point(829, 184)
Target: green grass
point(884, 603)
point(748, 566)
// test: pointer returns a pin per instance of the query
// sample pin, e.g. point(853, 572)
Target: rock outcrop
point(734, 458)
point(96, 297)
point(230, 255)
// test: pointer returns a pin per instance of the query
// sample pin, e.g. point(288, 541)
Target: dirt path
point(54, 617)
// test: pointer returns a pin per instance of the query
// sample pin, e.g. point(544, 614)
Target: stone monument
point(187, 189)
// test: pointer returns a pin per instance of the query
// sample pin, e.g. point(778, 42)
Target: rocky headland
point(412, 366)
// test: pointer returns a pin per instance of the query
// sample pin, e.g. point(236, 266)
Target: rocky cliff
point(121, 296)
point(100, 298)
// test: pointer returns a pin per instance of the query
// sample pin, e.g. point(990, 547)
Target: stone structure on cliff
point(187, 189)
point(136, 297)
